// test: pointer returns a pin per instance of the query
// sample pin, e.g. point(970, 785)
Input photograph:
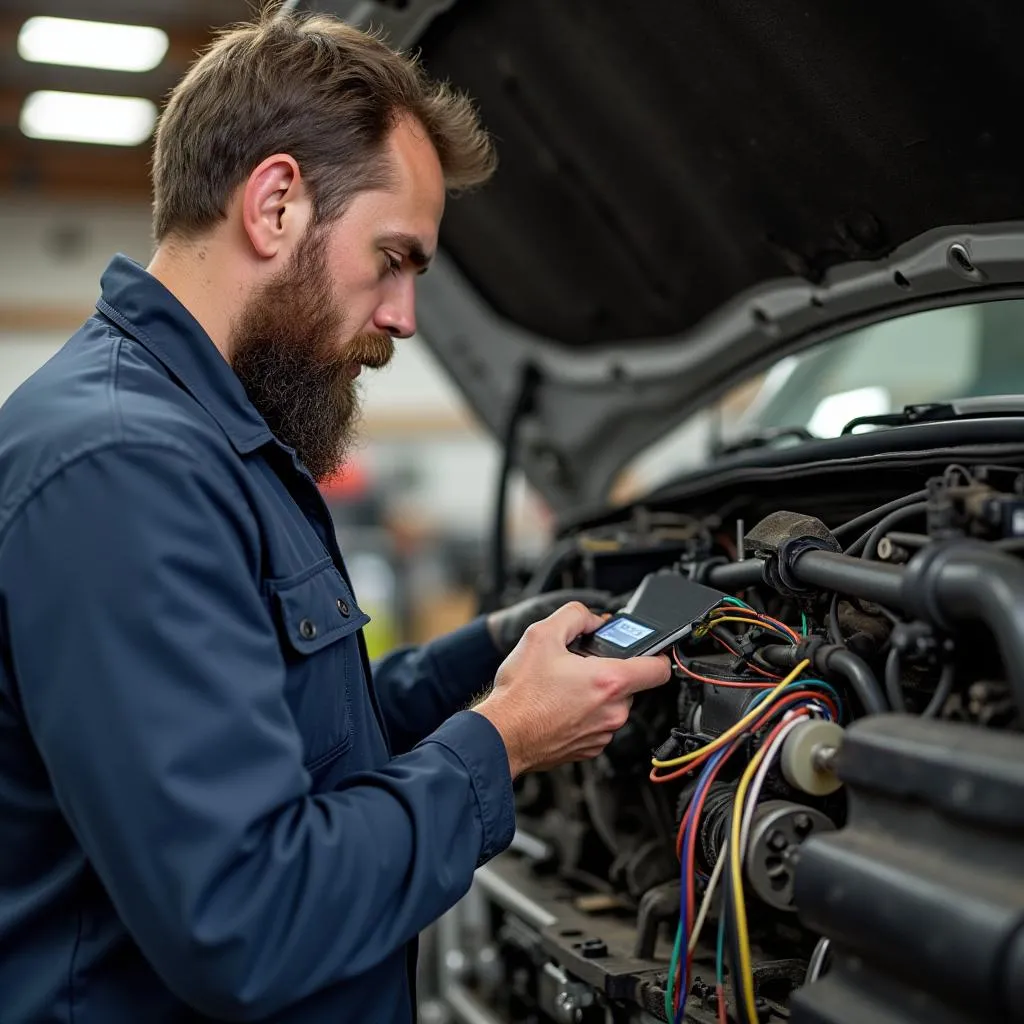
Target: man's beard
point(284, 349)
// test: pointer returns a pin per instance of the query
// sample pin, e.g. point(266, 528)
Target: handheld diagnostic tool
point(663, 609)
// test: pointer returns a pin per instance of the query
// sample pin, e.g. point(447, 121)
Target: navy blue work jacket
point(208, 809)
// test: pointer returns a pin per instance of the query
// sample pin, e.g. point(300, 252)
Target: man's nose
point(396, 315)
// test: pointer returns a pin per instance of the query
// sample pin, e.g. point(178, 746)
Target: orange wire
point(764, 621)
point(717, 682)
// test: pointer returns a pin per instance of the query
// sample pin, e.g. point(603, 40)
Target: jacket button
point(307, 629)
point(343, 607)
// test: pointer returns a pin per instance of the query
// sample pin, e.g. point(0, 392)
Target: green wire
point(736, 600)
point(720, 955)
point(803, 623)
point(670, 1010)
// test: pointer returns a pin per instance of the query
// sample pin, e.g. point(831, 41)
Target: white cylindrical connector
point(808, 757)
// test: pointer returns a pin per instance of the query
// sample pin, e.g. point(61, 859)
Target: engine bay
point(819, 819)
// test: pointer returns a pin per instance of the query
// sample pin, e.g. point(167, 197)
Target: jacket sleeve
point(150, 676)
point(419, 687)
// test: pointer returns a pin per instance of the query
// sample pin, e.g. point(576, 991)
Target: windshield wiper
point(762, 439)
point(934, 412)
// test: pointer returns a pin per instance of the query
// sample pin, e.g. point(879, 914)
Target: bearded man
point(212, 808)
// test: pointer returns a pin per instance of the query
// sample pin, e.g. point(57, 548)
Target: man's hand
point(508, 625)
point(552, 706)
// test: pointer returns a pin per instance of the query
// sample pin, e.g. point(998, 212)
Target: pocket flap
point(316, 607)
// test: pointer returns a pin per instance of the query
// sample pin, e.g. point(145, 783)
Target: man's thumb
point(569, 622)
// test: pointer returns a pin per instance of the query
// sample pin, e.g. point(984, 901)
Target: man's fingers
point(569, 622)
point(590, 598)
point(645, 672)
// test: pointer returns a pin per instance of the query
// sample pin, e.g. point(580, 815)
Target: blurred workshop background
point(78, 100)
point(81, 85)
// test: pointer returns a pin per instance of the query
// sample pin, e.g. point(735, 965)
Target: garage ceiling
point(83, 171)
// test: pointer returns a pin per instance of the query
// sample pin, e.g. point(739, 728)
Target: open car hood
point(688, 191)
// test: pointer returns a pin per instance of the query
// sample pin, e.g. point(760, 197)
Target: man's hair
point(310, 86)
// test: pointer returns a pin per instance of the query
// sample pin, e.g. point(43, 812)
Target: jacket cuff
point(480, 748)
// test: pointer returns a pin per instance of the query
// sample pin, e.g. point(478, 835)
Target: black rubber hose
point(893, 689)
point(858, 524)
point(833, 660)
point(866, 545)
point(860, 677)
point(909, 540)
point(835, 633)
point(942, 691)
point(944, 583)
point(871, 581)
point(737, 575)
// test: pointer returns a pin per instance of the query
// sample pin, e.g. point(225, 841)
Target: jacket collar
point(142, 307)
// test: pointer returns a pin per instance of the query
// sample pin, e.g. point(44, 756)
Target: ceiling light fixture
point(92, 44)
point(82, 117)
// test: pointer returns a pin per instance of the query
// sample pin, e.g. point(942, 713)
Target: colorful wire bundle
point(739, 828)
point(752, 721)
point(794, 699)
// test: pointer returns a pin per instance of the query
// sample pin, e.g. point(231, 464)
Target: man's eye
point(393, 263)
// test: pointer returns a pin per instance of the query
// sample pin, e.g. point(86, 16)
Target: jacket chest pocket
point(318, 622)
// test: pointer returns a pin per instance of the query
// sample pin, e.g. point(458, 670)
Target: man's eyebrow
point(412, 245)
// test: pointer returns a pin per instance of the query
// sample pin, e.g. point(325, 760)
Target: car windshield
point(932, 356)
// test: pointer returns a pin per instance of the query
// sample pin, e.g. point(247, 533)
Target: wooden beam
point(81, 171)
point(59, 169)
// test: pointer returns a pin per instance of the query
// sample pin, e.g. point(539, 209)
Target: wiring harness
point(782, 702)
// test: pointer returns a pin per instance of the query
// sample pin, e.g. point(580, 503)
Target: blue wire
point(703, 783)
point(799, 684)
point(720, 954)
point(831, 689)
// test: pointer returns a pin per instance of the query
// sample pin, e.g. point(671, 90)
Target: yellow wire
point(746, 979)
point(749, 622)
point(731, 733)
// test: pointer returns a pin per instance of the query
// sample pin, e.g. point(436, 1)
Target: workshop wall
point(415, 509)
point(53, 254)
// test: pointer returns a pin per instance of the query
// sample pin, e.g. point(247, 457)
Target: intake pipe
point(945, 583)
point(970, 581)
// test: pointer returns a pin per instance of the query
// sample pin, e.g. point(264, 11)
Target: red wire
point(781, 625)
point(694, 810)
point(766, 621)
point(716, 682)
point(720, 993)
point(753, 667)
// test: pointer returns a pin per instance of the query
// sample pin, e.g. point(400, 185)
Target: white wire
point(817, 962)
point(748, 814)
point(752, 801)
point(762, 772)
point(705, 905)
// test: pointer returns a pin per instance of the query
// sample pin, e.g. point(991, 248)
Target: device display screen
point(623, 632)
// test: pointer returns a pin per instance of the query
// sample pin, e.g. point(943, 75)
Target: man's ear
point(275, 206)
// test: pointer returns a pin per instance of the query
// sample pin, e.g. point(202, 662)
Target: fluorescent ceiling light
point(91, 44)
point(81, 117)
